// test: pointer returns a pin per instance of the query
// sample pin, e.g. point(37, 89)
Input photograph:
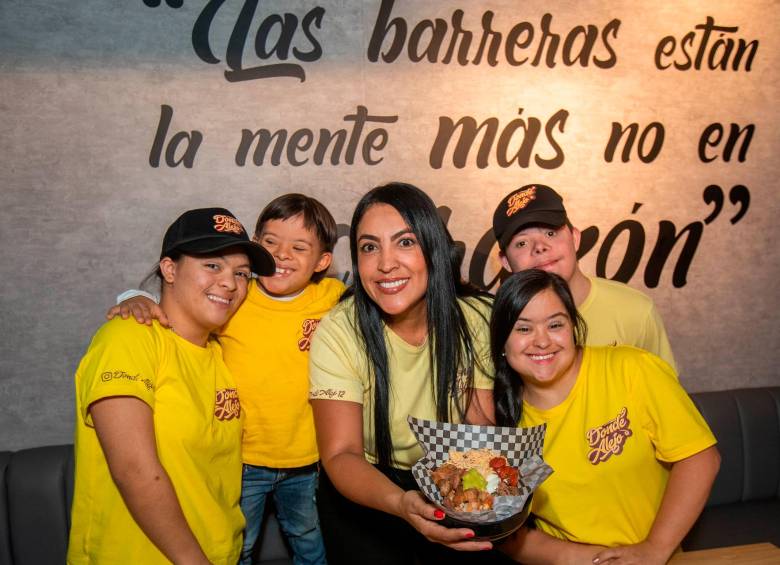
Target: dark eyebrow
point(557, 314)
point(246, 264)
point(395, 236)
point(299, 240)
point(401, 233)
point(222, 257)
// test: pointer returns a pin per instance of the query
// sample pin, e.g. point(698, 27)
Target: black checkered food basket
point(522, 448)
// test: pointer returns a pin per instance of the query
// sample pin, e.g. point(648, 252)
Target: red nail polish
point(439, 514)
point(470, 535)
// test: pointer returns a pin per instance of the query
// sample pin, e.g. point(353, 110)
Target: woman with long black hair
point(409, 338)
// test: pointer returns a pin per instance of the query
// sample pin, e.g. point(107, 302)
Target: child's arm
point(141, 306)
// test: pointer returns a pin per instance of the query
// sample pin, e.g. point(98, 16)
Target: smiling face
point(200, 293)
point(391, 264)
point(543, 247)
point(297, 252)
point(541, 345)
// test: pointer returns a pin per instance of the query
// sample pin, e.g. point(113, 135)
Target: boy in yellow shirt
point(266, 347)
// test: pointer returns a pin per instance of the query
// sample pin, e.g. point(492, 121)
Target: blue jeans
point(294, 492)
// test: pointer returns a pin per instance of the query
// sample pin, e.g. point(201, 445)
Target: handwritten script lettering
point(608, 439)
point(284, 28)
point(309, 325)
point(227, 405)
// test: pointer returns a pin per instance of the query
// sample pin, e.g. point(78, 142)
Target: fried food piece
point(475, 467)
point(447, 478)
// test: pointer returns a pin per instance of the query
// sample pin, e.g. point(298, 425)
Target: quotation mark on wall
point(685, 240)
point(739, 194)
point(171, 3)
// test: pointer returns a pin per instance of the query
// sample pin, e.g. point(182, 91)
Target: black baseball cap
point(530, 204)
point(206, 230)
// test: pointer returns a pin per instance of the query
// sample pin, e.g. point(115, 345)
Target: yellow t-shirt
point(197, 424)
point(339, 371)
point(266, 347)
point(617, 314)
point(607, 443)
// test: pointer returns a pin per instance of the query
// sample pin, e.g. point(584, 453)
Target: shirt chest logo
point(308, 327)
point(608, 439)
point(227, 406)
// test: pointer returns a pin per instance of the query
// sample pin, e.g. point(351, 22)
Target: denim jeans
point(296, 509)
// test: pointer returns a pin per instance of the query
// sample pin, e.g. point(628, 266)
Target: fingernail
point(439, 514)
point(470, 535)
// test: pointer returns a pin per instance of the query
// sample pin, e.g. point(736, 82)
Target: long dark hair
point(451, 344)
point(511, 299)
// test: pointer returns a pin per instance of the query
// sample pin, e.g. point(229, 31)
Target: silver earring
point(503, 354)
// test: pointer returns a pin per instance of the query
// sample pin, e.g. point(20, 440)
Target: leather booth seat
point(744, 506)
point(35, 510)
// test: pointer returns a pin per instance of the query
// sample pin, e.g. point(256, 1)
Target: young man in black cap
point(534, 232)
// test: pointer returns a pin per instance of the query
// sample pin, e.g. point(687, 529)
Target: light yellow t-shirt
point(339, 371)
point(266, 347)
point(607, 443)
point(197, 425)
point(617, 314)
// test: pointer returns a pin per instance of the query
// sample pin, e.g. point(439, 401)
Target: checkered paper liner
point(522, 448)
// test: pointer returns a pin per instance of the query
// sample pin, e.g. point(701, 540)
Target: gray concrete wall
point(82, 91)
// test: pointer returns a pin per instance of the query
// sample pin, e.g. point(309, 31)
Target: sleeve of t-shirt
point(655, 339)
point(122, 360)
point(333, 364)
point(670, 418)
point(132, 293)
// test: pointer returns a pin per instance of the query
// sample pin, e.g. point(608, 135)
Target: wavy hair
point(511, 299)
point(451, 343)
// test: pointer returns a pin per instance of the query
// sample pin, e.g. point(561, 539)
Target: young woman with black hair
point(409, 338)
point(633, 459)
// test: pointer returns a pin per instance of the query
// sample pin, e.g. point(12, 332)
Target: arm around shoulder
point(144, 307)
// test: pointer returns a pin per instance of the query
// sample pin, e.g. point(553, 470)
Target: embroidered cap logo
point(223, 223)
point(520, 200)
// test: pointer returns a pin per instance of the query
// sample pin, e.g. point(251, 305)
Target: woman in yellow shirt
point(633, 459)
point(158, 426)
point(409, 338)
